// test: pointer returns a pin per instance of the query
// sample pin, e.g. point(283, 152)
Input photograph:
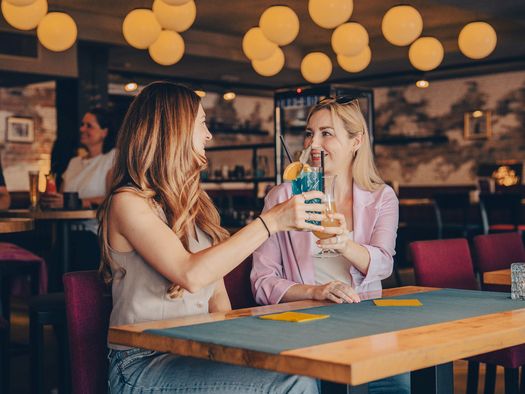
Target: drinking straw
point(286, 149)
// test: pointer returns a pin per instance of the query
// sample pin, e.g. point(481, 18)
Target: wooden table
point(410, 202)
point(80, 214)
point(499, 277)
point(428, 351)
point(16, 225)
point(63, 220)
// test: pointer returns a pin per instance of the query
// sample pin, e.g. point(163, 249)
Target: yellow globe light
point(422, 84)
point(280, 24)
point(176, 2)
point(141, 28)
point(354, 64)
point(349, 39)
point(316, 67)
point(256, 46)
point(330, 13)
point(57, 31)
point(271, 66)
point(175, 17)
point(21, 3)
point(426, 53)
point(229, 96)
point(477, 40)
point(24, 17)
point(131, 86)
point(401, 25)
point(167, 49)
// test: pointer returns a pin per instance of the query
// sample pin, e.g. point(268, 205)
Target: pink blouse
point(285, 258)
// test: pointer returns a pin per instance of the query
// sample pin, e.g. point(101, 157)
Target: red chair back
point(238, 285)
point(498, 251)
point(443, 263)
point(88, 307)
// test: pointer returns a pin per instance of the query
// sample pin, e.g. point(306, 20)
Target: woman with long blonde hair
point(163, 249)
point(287, 267)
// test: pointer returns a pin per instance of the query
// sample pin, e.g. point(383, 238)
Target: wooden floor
point(20, 364)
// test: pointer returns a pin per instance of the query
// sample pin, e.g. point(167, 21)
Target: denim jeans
point(398, 384)
point(147, 371)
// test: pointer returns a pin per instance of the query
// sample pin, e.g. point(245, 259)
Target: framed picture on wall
point(478, 125)
point(20, 129)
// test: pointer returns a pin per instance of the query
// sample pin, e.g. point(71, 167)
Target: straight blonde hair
point(156, 157)
point(364, 170)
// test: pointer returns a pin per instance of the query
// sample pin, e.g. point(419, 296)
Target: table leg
point(64, 227)
point(63, 251)
point(433, 380)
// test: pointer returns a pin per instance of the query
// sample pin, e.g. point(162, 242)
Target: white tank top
point(328, 269)
point(141, 294)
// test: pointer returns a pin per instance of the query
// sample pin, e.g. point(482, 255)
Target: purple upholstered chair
point(238, 285)
point(88, 307)
point(448, 263)
point(443, 263)
point(496, 252)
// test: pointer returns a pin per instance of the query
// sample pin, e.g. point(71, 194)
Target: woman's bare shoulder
point(129, 201)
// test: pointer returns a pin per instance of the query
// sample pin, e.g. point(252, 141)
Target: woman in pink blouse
point(284, 267)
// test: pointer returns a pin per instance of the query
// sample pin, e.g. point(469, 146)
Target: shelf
point(240, 147)
point(402, 140)
point(243, 180)
point(231, 186)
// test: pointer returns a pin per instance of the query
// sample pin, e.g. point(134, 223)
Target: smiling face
point(90, 132)
point(327, 133)
point(201, 134)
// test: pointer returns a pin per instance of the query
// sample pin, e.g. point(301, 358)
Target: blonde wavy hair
point(156, 157)
point(364, 170)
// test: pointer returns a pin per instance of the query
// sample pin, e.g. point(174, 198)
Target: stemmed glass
point(329, 201)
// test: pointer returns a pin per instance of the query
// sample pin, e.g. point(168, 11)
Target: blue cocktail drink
point(311, 178)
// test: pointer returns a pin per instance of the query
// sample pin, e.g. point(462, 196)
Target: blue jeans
point(398, 384)
point(147, 371)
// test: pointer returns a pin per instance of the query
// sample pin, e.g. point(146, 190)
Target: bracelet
point(265, 226)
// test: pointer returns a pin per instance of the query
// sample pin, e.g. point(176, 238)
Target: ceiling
point(213, 43)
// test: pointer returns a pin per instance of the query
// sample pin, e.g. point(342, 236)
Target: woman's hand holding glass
point(340, 234)
point(296, 214)
point(335, 291)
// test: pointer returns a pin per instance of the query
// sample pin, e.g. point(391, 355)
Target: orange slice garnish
point(292, 171)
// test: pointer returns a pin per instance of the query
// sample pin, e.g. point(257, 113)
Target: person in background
point(165, 253)
point(88, 176)
point(5, 199)
point(285, 268)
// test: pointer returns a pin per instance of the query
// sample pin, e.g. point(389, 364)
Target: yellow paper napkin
point(413, 302)
point(294, 317)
